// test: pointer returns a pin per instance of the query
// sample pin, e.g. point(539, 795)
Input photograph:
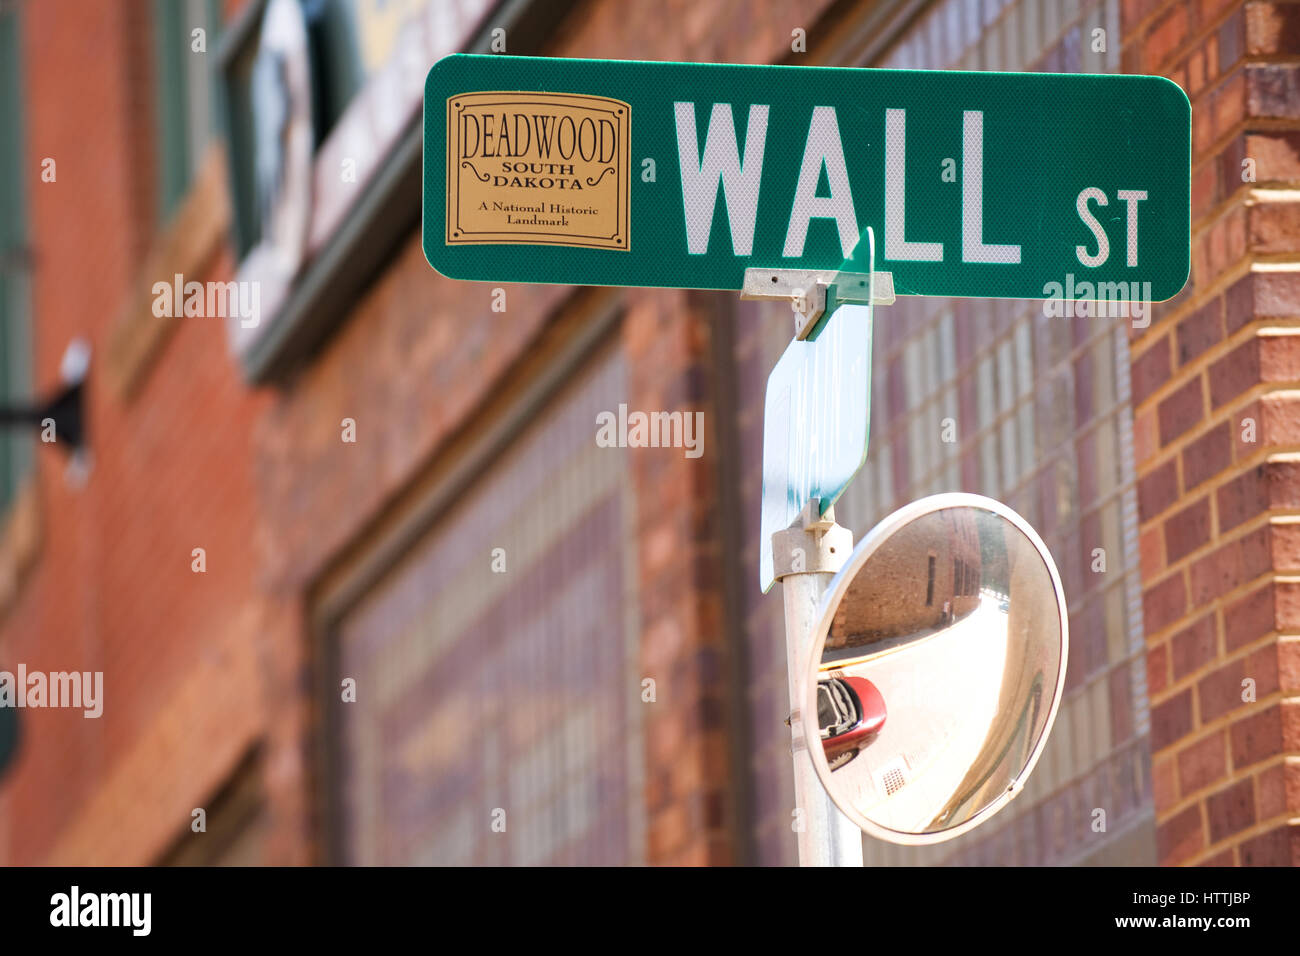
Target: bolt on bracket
point(808, 289)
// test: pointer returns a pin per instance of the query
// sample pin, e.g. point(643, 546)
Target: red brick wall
point(1218, 511)
point(112, 588)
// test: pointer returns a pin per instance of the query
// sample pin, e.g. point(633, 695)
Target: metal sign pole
point(807, 555)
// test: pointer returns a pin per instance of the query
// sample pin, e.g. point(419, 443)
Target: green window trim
point(183, 126)
point(15, 319)
point(172, 88)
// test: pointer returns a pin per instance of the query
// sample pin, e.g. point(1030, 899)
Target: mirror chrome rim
point(835, 592)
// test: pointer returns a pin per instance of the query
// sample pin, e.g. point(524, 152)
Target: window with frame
point(1042, 422)
point(1039, 410)
point(347, 40)
point(497, 717)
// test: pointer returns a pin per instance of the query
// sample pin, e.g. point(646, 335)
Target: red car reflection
point(850, 712)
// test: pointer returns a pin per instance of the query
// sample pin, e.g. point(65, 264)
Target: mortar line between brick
point(1223, 600)
point(1237, 533)
point(1233, 775)
point(1259, 828)
point(1205, 670)
point(1174, 450)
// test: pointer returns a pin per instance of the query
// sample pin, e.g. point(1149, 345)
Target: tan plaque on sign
point(538, 169)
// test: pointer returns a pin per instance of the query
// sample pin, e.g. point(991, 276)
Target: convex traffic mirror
point(936, 667)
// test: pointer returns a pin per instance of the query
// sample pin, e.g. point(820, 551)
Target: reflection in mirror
point(939, 670)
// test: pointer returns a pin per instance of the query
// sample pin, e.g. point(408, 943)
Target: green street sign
point(600, 172)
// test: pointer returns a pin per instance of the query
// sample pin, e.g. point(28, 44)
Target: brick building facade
point(497, 589)
point(1216, 422)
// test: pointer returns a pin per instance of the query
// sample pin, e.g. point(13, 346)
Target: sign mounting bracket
point(810, 289)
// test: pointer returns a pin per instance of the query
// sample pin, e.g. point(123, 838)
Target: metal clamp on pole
point(813, 544)
point(808, 289)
